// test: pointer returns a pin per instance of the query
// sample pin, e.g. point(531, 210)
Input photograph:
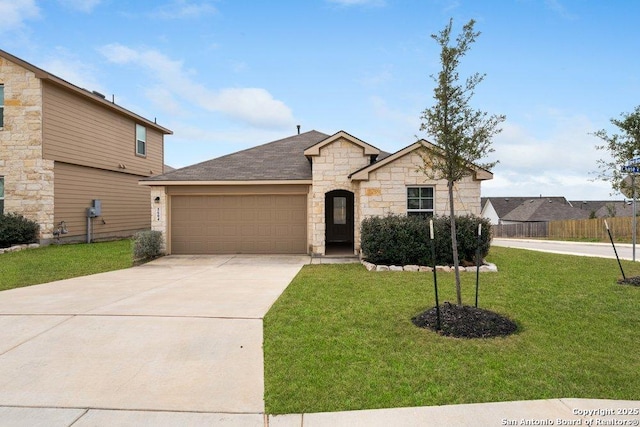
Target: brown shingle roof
point(280, 160)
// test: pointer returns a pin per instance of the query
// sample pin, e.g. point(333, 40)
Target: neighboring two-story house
point(64, 149)
point(304, 194)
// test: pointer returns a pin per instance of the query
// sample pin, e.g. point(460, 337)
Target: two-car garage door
point(251, 224)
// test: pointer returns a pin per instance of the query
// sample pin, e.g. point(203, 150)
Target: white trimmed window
point(420, 201)
point(1, 105)
point(1, 194)
point(141, 140)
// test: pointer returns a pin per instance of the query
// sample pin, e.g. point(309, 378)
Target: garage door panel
point(239, 224)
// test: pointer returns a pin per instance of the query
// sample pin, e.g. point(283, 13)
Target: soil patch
point(465, 322)
point(633, 281)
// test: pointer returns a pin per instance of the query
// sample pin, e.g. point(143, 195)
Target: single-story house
point(496, 208)
point(544, 210)
point(605, 208)
point(304, 194)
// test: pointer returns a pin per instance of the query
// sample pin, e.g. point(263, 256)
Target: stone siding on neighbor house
point(28, 178)
point(330, 172)
point(386, 190)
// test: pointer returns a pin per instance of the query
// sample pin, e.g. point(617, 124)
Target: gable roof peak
point(369, 150)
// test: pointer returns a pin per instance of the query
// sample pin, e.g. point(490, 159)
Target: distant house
point(64, 149)
point(605, 208)
point(307, 193)
point(496, 208)
point(544, 210)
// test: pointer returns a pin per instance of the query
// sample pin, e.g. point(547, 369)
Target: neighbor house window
point(420, 201)
point(1, 105)
point(141, 140)
point(1, 194)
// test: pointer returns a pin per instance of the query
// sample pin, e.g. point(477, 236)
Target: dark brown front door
point(339, 216)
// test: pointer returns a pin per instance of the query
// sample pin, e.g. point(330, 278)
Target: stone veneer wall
point(28, 177)
point(386, 190)
point(330, 172)
point(160, 213)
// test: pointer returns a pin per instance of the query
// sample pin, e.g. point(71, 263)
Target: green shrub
point(17, 230)
point(402, 240)
point(147, 245)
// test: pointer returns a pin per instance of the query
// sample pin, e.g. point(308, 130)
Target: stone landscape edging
point(17, 248)
point(487, 267)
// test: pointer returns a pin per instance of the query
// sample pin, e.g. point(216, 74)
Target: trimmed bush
point(403, 240)
point(147, 245)
point(17, 230)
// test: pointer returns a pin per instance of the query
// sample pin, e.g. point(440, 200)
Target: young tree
point(462, 135)
point(622, 148)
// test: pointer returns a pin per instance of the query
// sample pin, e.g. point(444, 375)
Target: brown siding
point(79, 131)
point(125, 204)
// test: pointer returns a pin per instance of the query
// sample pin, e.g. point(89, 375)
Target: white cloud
point(385, 75)
point(567, 145)
point(86, 6)
point(559, 163)
point(68, 67)
point(347, 3)
point(560, 9)
point(255, 106)
point(15, 12)
point(180, 9)
point(393, 118)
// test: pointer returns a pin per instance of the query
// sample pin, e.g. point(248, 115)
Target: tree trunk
point(454, 243)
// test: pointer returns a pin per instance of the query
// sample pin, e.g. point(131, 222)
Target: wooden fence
point(621, 229)
point(521, 230)
point(591, 229)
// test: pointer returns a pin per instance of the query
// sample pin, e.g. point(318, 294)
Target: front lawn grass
point(57, 262)
point(341, 338)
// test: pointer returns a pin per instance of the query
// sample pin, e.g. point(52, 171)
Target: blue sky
point(226, 75)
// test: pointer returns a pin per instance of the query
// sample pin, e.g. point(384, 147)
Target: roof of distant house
point(504, 205)
point(605, 208)
point(545, 209)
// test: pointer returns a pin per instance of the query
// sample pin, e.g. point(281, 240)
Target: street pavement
point(600, 250)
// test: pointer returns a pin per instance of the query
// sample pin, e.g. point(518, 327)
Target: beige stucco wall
point(28, 177)
point(330, 171)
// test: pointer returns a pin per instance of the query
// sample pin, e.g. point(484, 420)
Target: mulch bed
point(465, 322)
point(633, 281)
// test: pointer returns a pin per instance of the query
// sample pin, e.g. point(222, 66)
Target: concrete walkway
point(178, 342)
point(555, 412)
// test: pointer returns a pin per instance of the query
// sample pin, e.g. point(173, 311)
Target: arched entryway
point(339, 222)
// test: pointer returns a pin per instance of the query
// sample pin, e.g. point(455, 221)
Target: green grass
point(341, 338)
point(46, 264)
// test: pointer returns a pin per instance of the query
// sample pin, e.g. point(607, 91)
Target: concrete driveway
point(180, 334)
